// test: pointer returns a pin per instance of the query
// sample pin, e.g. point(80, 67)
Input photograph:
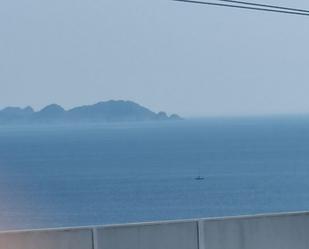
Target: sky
point(192, 60)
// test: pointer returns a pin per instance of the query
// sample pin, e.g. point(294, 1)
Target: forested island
point(108, 111)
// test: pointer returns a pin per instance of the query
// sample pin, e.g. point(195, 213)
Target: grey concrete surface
point(47, 239)
point(279, 231)
point(289, 231)
point(174, 235)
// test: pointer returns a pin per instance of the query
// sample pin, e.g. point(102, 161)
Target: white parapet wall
point(47, 239)
point(281, 231)
point(274, 231)
point(165, 235)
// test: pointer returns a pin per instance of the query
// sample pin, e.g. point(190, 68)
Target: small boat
point(199, 176)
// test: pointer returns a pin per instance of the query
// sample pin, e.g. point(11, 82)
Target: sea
point(96, 174)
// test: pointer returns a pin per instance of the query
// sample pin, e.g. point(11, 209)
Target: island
point(108, 111)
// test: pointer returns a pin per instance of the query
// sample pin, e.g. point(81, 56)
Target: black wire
point(265, 5)
point(244, 7)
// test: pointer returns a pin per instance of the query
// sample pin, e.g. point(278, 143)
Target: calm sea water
point(102, 174)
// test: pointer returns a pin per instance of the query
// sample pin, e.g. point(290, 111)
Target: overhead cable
point(276, 9)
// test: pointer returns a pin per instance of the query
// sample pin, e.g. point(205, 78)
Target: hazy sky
point(189, 59)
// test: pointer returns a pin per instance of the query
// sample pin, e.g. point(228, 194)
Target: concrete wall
point(289, 231)
point(282, 231)
point(47, 239)
point(178, 235)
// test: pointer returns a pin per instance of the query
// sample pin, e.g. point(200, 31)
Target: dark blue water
point(99, 174)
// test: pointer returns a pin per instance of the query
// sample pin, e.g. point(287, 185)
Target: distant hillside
point(109, 111)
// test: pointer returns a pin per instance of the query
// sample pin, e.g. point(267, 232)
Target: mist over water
point(53, 176)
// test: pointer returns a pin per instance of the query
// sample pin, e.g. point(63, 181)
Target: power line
point(265, 5)
point(277, 10)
